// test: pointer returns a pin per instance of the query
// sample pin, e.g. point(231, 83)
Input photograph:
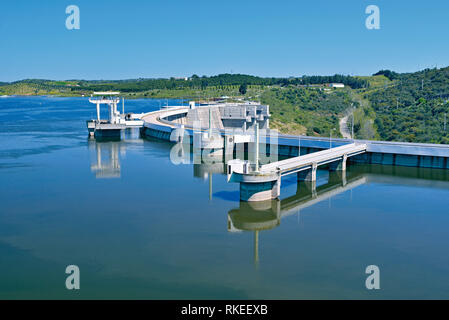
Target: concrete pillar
point(98, 111)
point(111, 113)
point(309, 174)
point(305, 188)
point(210, 185)
point(229, 147)
point(276, 207)
point(311, 186)
point(181, 134)
point(257, 146)
point(337, 177)
point(97, 146)
point(339, 165)
point(116, 117)
point(256, 246)
point(210, 156)
point(260, 191)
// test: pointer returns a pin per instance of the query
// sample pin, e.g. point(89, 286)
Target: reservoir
point(139, 226)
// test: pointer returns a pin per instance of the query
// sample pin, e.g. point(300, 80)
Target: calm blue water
point(139, 226)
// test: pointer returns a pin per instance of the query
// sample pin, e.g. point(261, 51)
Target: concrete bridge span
point(264, 182)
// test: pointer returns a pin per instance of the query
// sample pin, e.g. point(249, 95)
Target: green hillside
point(387, 105)
point(306, 111)
point(414, 108)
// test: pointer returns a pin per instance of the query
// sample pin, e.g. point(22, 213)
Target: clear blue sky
point(161, 38)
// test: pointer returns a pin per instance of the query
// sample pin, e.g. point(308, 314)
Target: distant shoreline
point(80, 96)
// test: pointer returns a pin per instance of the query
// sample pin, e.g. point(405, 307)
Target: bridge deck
point(304, 162)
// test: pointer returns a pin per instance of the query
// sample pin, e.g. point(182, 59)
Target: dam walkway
point(264, 182)
point(315, 159)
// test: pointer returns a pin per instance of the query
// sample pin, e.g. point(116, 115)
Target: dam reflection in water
point(258, 217)
point(105, 154)
point(266, 215)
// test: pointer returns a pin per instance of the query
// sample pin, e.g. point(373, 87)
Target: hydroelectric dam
point(257, 157)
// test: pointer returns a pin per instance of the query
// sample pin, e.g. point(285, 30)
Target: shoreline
point(80, 96)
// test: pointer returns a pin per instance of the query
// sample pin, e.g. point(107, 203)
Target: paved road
point(344, 127)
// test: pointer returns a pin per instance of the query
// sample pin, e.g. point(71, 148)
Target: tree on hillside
point(388, 73)
point(242, 88)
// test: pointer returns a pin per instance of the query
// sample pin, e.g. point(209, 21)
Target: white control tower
point(111, 99)
point(116, 121)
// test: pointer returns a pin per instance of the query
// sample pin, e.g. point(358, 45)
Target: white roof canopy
point(106, 93)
